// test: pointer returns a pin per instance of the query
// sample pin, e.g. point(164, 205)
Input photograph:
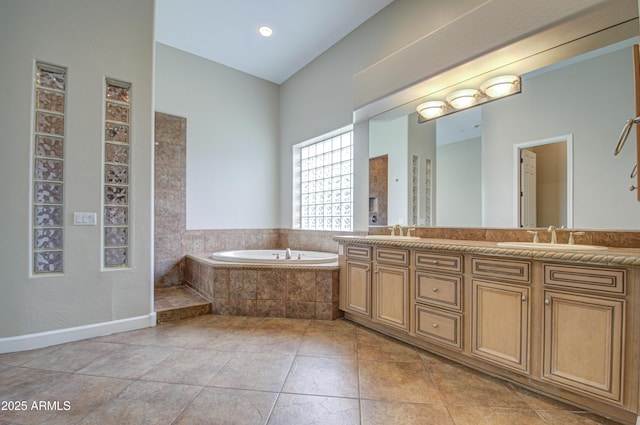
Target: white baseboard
point(61, 336)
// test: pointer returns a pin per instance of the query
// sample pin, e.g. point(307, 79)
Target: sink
point(551, 246)
point(393, 237)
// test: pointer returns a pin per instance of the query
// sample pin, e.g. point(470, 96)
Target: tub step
point(179, 302)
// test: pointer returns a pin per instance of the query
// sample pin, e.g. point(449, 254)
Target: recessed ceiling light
point(265, 31)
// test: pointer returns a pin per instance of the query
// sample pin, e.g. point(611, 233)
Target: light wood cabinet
point(392, 296)
point(391, 283)
point(437, 298)
point(584, 330)
point(500, 323)
point(358, 286)
point(357, 297)
point(561, 327)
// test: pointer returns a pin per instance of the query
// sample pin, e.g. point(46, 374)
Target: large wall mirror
point(462, 170)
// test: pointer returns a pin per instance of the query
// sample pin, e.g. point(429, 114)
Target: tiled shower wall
point(169, 197)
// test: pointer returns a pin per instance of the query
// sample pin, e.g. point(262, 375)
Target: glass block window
point(325, 183)
point(415, 185)
point(420, 192)
point(117, 174)
point(427, 192)
point(48, 168)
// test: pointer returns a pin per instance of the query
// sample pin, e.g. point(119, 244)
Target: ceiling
point(226, 31)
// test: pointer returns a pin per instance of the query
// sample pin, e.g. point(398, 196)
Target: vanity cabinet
point(584, 329)
point(357, 297)
point(564, 324)
point(500, 329)
point(437, 298)
point(391, 287)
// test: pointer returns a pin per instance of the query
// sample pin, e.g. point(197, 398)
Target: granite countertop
point(610, 256)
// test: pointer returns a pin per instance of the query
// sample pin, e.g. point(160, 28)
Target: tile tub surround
point(250, 370)
point(299, 292)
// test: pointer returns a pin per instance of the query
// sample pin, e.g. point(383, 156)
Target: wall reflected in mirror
point(463, 170)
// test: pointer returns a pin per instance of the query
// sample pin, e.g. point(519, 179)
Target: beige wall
point(93, 39)
point(233, 167)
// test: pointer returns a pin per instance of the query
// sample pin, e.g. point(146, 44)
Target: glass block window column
point(427, 192)
point(48, 166)
point(415, 169)
point(116, 174)
point(326, 184)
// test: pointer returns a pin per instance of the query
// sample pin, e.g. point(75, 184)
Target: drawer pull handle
point(524, 298)
point(435, 289)
point(435, 325)
point(547, 302)
point(435, 262)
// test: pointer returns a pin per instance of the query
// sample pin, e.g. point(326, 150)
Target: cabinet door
point(584, 343)
point(358, 288)
point(500, 324)
point(392, 296)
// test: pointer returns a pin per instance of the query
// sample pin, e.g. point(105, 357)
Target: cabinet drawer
point(441, 262)
point(439, 289)
point(439, 326)
point(396, 257)
point(579, 277)
point(359, 252)
point(511, 270)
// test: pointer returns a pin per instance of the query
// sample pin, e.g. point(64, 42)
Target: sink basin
point(393, 237)
point(551, 247)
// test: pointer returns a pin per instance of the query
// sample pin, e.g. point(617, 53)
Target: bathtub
point(257, 283)
point(275, 256)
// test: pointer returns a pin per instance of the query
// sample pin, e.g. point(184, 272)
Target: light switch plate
point(85, 218)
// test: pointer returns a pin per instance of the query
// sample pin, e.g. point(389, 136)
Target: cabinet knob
point(435, 325)
point(367, 270)
point(524, 298)
point(547, 302)
point(435, 262)
point(435, 289)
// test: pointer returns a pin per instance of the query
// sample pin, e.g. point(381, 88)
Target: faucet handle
point(571, 235)
point(535, 235)
point(409, 229)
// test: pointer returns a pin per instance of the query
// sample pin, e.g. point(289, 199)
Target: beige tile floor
point(241, 370)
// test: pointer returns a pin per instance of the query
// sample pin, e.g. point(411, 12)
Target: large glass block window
point(117, 173)
point(48, 168)
point(325, 178)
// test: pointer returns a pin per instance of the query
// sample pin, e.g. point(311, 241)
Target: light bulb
point(500, 86)
point(463, 98)
point(265, 31)
point(432, 109)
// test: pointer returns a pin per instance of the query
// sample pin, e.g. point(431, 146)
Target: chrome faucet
point(554, 237)
point(287, 254)
point(398, 228)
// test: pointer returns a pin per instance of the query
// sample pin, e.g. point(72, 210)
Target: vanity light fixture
point(491, 89)
point(265, 31)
